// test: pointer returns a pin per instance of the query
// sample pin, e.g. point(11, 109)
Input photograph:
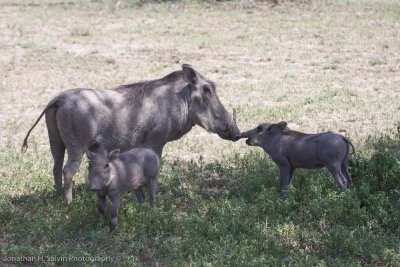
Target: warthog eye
point(207, 89)
point(259, 129)
point(106, 166)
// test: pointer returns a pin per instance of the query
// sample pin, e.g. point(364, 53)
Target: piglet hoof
point(114, 224)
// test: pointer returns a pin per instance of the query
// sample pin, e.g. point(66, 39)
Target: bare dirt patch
point(318, 66)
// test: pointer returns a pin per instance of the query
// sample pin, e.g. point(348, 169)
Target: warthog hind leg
point(139, 194)
point(344, 169)
point(57, 146)
point(338, 176)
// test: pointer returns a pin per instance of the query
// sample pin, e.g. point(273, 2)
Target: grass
point(319, 65)
point(213, 213)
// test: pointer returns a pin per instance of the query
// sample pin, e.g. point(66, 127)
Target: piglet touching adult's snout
point(291, 150)
point(112, 173)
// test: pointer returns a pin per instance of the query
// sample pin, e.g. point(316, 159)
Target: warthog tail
point(348, 142)
point(25, 144)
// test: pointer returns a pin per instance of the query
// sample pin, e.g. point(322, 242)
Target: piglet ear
point(282, 124)
point(114, 154)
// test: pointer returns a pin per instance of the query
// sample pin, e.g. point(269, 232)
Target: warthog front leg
point(286, 174)
point(115, 199)
point(285, 180)
point(70, 169)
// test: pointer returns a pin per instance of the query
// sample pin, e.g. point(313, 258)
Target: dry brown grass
point(328, 65)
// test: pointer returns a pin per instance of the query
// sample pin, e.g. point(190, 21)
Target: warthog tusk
point(233, 122)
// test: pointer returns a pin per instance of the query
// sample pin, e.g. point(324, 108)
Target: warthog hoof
point(68, 196)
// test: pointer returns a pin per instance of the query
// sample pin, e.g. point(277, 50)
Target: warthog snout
point(250, 135)
point(248, 142)
point(245, 135)
point(227, 129)
point(94, 189)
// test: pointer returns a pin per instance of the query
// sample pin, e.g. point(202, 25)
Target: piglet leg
point(102, 205)
point(115, 199)
point(139, 194)
point(153, 188)
point(286, 176)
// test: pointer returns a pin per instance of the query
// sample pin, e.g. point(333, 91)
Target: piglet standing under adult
point(112, 173)
point(291, 150)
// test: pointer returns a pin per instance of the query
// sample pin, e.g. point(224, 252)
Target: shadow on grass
point(224, 213)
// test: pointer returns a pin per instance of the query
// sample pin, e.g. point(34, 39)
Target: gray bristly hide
point(147, 114)
point(291, 150)
point(113, 173)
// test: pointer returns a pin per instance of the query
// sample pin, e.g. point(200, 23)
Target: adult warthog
point(146, 114)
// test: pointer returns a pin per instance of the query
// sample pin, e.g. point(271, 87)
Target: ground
point(319, 65)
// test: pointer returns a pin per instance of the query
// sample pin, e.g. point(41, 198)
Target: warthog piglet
point(291, 150)
point(112, 173)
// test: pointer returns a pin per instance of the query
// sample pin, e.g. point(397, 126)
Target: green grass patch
point(221, 213)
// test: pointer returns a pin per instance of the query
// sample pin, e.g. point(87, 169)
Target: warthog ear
point(114, 154)
point(92, 148)
point(90, 154)
point(282, 124)
point(190, 74)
